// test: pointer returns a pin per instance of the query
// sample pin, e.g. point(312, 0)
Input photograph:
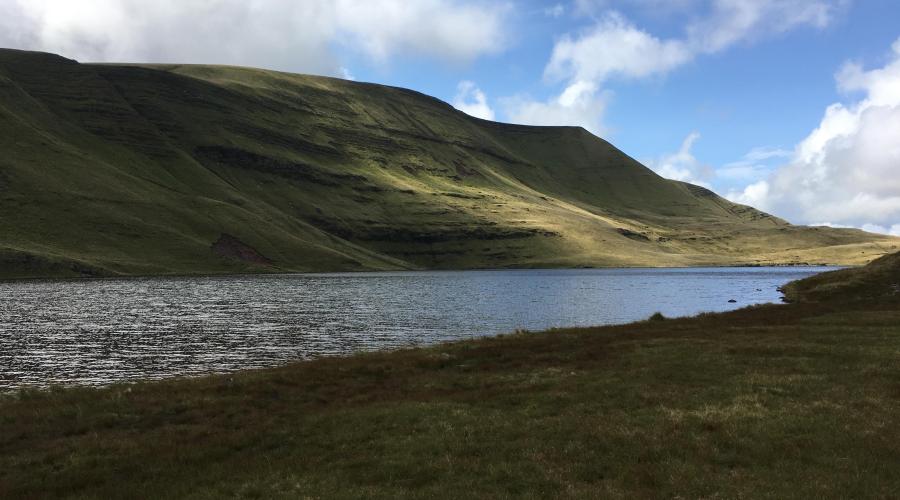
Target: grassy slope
point(780, 401)
point(877, 280)
point(117, 169)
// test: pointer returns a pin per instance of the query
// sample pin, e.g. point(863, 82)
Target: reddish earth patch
point(463, 171)
point(232, 248)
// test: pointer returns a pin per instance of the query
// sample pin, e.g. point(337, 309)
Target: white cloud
point(683, 165)
point(615, 48)
point(847, 170)
point(874, 228)
point(280, 34)
point(581, 104)
point(733, 21)
point(752, 170)
point(756, 195)
point(754, 166)
point(765, 153)
point(472, 101)
point(450, 29)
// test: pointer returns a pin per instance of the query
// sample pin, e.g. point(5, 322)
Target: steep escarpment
point(127, 169)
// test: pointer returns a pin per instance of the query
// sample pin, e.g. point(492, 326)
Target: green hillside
point(879, 281)
point(126, 169)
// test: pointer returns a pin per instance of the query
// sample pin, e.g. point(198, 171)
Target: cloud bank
point(847, 171)
point(280, 34)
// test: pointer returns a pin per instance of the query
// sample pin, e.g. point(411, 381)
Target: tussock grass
point(657, 316)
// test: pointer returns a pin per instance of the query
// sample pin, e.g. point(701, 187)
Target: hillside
point(877, 281)
point(128, 169)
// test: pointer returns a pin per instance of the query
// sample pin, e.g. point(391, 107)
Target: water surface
point(101, 331)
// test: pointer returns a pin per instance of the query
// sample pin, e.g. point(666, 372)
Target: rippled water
point(101, 331)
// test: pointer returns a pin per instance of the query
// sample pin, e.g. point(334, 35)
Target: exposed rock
point(232, 248)
point(631, 234)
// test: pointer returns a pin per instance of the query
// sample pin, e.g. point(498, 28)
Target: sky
point(792, 106)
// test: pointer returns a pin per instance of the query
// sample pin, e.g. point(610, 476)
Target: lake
point(96, 332)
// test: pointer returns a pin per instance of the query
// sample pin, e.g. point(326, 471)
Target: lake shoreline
point(100, 332)
point(449, 270)
point(671, 406)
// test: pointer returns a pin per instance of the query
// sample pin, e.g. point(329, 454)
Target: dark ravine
point(136, 170)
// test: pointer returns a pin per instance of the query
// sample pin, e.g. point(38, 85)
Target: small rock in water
point(732, 301)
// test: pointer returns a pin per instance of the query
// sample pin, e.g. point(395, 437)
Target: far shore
point(489, 269)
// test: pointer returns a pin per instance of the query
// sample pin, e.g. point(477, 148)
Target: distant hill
point(136, 169)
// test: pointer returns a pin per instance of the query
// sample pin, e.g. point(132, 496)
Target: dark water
point(101, 331)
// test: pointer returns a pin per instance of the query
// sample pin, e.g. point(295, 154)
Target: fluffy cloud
point(756, 195)
point(615, 48)
point(280, 34)
point(472, 101)
point(683, 165)
point(846, 170)
point(582, 104)
point(612, 47)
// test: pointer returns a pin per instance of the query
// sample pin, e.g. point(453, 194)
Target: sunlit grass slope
point(778, 401)
point(123, 169)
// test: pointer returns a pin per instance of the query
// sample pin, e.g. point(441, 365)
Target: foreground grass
point(796, 400)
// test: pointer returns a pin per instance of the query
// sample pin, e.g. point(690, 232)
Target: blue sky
point(730, 94)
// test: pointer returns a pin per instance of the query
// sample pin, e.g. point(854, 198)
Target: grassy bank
point(796, 400)
point(878, 280)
